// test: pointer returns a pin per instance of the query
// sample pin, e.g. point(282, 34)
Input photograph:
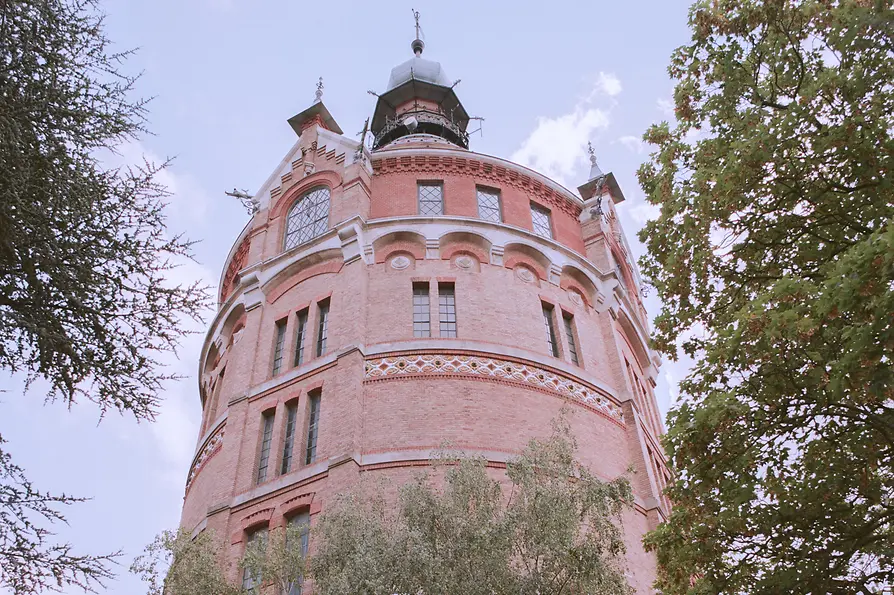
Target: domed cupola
point(419, 100)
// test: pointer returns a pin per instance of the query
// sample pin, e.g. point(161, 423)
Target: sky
point(225, 75)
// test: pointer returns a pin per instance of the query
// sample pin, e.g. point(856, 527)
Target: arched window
point(308, 217)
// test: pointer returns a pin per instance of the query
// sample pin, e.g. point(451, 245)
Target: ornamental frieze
point(497, 174)
point(453, 364)
point(211, 448)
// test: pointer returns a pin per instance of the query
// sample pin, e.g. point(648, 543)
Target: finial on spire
point(318, 94)
point(595, 172)
point(418, 45)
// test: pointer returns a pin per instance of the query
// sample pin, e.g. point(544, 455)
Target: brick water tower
point(381, 302)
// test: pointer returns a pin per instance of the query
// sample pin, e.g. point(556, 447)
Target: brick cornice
point(481, 170)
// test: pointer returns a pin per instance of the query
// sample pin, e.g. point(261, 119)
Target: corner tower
point(381, 302)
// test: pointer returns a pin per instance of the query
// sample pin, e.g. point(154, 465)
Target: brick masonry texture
point(385, 427)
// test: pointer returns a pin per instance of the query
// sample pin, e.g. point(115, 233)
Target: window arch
point(308, 217)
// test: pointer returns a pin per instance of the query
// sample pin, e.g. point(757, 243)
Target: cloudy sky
point(227, 74)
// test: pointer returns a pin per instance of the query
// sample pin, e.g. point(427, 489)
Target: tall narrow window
point(313, 429)
point(279, 346)
point(447, 309)
point(489, 204)
point(421, 310)
point(541, 220)
point(266, 438)
point(308, 217)
point(550, 331)
point(323, 328)
point(431, 198)
point(299, 337)
point(301, 523)
point(251, 580)
point(288, 442)
point(572, 344)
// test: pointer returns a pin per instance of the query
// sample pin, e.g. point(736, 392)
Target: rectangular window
point(249, 580)
point(447, 309)
point(569, 332)
point(313, 429)
point(489, 204)
point(541, 220)
point(431, 198)
point(323, 328)
point(279, 346)
point(299, 337)
point(421, 310)
point(288, 442)
point(266, 437)
point(550, 330)
point(301, 522)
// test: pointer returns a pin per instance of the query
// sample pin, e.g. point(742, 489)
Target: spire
point(595, 172)
point(318, 94)
point(418, 45)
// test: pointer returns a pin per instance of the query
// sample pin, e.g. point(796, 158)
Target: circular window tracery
point(308, 217)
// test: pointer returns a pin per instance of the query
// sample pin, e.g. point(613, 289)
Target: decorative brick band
point(473, 366)
point(211, 448)
point(497, 174)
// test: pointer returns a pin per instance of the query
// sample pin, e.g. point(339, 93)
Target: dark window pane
point(421, 310)
point(447, 309)
point(431, 199)
point(323, 328)
point(489, 204)
point(279, 346)
point(572, 345)
point(552, 346)
point(313, 429)
point(308, 217)
point(266, 438)
point(299, 337)
point(541, 221)
point(289, 439)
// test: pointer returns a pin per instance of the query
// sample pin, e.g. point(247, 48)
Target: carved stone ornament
point(464, 261)
point(575, 297)
point(400, 262)
point(525, 274)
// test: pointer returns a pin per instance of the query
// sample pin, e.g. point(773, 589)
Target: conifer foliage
point(85, 301)
point(774, 256)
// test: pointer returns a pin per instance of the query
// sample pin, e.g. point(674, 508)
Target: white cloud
point(557, 146)
point(634, 144)
point(608, 83)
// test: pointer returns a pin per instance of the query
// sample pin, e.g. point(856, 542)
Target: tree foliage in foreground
point(85, 304)
point(774, 257)
point(554, 529)
point(177, 563)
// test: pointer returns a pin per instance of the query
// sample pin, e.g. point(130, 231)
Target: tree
point(280, 559)
point(774, 257)
point(177, 563)
point(85, 304)
point(554, 530)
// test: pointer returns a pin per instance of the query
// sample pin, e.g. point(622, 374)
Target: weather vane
point(416, 16)
point(318, 94)
point(592, 153)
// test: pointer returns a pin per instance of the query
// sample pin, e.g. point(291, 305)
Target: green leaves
point(774, 250)
point(554, 529)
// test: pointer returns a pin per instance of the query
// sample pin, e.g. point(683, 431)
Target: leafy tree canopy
point(177, 563)
point(553, 529)
point(774, 256)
